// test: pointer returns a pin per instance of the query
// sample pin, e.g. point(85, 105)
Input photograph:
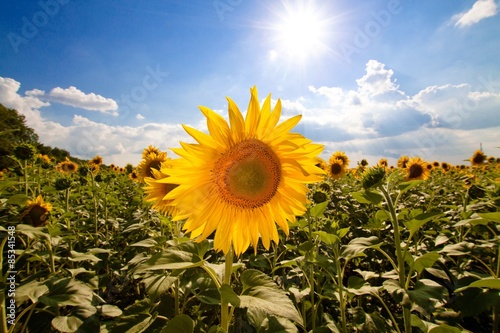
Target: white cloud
point(377, 119)
point(85, 138)
point(74, 97)
point(139, 116)
point(377, 79)
point(480, 10)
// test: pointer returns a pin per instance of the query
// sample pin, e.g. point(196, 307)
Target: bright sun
point(301, 33)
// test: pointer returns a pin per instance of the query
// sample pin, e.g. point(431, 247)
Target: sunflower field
point(249, 230)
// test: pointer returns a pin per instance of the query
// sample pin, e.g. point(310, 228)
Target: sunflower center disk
point(416, 171)
point(248, 174)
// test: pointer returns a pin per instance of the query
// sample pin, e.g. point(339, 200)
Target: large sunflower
point(336, 168)
point(341, 156)
point(403, 161)
point(158, 187)
point(152, 161)
point(67, 166)
point(383, 163)
point(150, 149)
point(478, 158)
point(36, 212)
point(416, 169)
point(244, 177)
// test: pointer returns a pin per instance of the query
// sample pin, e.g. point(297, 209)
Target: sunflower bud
point(373, 177)
point(62, 184)
point(319, 197)
point(25, 151)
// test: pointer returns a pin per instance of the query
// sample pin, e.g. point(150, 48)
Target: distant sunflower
point(416, 169)
point(96, 160)
point(158, 187)
point(150, 149)
point(36, 212)
point(325, 187)
point(93, 167)
point(478, 158)
point(383, 163)
point(363, 163)
point(321, 164)
point(436, 164)
point(244, 177)
point(336, 168)
point(148, 163)
point(45, 160)
point(67, 167)
point(319, 196)
point(491, 159)
point(402, 161)
point(445, 166)
point(133, 176)
point(359, 171)
point(341, 156)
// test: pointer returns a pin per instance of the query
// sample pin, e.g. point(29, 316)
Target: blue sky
point(376, 79)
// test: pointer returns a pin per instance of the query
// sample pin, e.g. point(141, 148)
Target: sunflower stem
point(340, 279)
point(3, 314)
point(25, 173)
point(228, 268)
point(399, 254)
point(176, 294)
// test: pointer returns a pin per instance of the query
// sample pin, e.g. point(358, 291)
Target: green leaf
point(382, 215)
point(488, 282)
point(149, 242)
point(458, 249)
point(495, 216)
point(418, 221)
point(31, 290)
point(306, 246)
point(443, 328)
point(227, 294)
point(424, 292)
point(179, 324)
point(426, 260)
point(32, 232)
point(260, 291)
point(136, 323)
point(358, 286)
point(428, 327)
point(403, 187)
point(66, 323)
point(328, 239)
point(156, 285)
point(277, 325)
point(18, 199)
point(77, 256)
point(216, 329)
point(368, 322)
point(109, 310)
point(65, 292)
point(76, 271)
point(368, 197)
point(398, 293)
point(357, 246)
point(319, 209)
point(183, 256)
point(6, 184)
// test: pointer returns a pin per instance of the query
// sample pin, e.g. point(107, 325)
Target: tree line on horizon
point(14, 131)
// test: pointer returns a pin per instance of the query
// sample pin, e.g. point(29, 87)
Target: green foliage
point(107, 262)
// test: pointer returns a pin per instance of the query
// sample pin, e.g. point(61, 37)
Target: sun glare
point(301, 32)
